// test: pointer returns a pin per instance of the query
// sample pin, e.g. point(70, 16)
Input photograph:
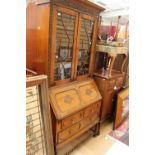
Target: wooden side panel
point(31, 17)
point(37, 30)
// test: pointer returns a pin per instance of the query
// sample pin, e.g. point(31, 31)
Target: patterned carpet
point(122, 132)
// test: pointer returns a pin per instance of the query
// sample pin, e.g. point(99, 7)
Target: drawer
point(92, 109)
point(85, 122)
point(88, 111)
point(68, 132)
point(67, 122)
point(89, 120)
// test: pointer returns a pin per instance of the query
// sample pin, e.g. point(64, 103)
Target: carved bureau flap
point(68, 99)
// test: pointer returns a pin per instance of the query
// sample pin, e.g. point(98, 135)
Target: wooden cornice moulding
point(82, 5)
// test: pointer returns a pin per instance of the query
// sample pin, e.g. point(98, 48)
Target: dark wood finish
point(75, 109)
point(42, 83)
point(108, 87)
point(42, 32)
point(118, 116)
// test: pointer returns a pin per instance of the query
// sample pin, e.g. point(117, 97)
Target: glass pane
point(35, 139)
point(85, 46)
point(64, 46)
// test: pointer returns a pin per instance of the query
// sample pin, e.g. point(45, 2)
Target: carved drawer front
point(89, 120)
point(68, 132)
point(88, 111)
point(92, 109)
point(85, 122)
point(72, 120)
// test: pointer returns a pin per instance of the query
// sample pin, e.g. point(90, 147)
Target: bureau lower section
point(75, 125)
point(75, 110)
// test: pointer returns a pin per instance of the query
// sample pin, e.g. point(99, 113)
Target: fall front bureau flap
point(70, 98)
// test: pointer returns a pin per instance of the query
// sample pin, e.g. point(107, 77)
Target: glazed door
point(64, 34)
point(85, 45)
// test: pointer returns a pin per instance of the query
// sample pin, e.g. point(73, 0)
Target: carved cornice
point(78, 6)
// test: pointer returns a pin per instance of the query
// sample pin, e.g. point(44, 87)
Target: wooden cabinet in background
point(75, 110)
point(61, 39)
point(108, 87)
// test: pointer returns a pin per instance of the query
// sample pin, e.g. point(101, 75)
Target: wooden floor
point(98, 145)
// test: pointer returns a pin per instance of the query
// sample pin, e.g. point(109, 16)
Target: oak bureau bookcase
point(61, 42)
